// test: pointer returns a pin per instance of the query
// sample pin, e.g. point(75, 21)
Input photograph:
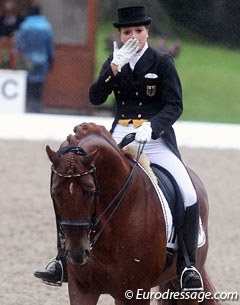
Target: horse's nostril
point(77, 258)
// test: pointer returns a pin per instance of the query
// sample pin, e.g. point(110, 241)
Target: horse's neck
point(112, 165)
point(136, 207)
point(113, 171)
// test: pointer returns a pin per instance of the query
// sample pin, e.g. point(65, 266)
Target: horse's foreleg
point(167, 288)
point(144, 300)
point(118, 302)
point(80, 298)
point(77, 297)
point(208, 288)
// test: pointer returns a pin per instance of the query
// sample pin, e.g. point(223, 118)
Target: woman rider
point(148, 98)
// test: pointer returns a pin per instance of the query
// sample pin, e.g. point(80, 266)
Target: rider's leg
point(159, 153)
point(190, 279)
point(56, 270)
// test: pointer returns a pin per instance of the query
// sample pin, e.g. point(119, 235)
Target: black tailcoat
point(151, 91)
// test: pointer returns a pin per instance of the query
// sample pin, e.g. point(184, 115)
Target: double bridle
point(76, 224)
point(90, 225)
point(73, 175)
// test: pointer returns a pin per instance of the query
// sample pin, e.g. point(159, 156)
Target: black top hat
point(132, 16)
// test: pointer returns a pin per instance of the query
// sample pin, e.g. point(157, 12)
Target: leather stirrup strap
point(184, 250)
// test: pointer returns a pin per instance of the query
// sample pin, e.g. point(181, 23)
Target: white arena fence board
point(57, 127)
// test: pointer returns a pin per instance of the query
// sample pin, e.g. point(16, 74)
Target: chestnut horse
point(114, 226)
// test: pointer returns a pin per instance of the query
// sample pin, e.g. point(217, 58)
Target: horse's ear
point(52, 155)
point(88, 159)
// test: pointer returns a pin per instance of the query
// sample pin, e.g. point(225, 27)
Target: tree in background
point(216, 21)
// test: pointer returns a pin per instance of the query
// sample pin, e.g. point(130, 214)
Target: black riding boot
point(190, 278)
point(56, 270)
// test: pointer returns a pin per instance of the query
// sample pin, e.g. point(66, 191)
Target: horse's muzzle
point(78, 259)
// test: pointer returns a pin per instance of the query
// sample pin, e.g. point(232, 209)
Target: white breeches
point(158, 152)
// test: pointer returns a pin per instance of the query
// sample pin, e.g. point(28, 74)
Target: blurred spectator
point(10, 20)
point(35, 40)
point(161, 45)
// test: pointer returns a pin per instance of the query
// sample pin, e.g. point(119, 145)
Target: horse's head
point(75, 194)
point(74, 186)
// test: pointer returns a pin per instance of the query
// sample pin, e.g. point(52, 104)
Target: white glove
point(144, 132)
point(123, 55)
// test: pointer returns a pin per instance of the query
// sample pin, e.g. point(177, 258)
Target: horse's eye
point(88, 189)
point(88, 193)
point(56, 196)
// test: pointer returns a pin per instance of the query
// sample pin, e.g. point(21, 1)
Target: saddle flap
point(171, 191)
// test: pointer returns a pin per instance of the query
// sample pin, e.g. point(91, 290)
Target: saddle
point(170, 189)
point(166, 182)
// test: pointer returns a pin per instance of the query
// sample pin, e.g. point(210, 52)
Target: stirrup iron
point(193, 269)
point(51, 263)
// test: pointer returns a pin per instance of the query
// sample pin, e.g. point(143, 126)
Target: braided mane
point(85, 129)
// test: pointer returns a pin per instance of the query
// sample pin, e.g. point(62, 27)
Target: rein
point(117, 200)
